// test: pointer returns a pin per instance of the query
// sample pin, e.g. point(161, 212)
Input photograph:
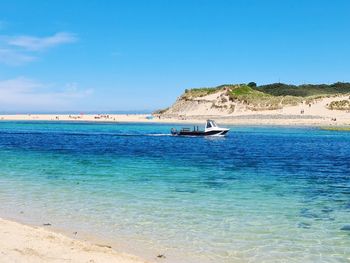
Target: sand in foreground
point(20, 243)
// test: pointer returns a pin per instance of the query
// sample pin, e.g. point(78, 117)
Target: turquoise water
point(262, 194)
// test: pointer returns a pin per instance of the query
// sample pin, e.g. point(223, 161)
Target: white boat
point(211, 129)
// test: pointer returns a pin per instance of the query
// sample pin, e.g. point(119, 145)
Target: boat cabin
point(211, 124)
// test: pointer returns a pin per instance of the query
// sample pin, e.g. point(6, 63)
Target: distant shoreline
point(252, 119)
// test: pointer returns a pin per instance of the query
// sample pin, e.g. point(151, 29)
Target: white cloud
point(40, 43)
point(18, 50)
point(27, 94)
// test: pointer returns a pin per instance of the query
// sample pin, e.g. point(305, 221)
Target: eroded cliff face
point(216, 103)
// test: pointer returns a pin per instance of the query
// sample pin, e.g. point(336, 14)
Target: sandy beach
point(26, 244)
point(315, 114)
point(258, 118)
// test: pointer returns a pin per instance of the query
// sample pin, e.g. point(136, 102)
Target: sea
point(260, 194)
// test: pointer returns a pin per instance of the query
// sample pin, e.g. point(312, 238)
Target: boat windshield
point(211, 124)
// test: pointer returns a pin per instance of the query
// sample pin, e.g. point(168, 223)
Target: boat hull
point(202, 133)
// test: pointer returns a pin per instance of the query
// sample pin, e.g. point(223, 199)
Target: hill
point(227, 99)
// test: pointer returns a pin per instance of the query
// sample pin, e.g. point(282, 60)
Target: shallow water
point(262, 194)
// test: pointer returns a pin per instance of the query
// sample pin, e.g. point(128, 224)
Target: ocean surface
point(262, 194)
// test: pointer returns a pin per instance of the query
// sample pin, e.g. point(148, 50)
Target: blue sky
point(137, 55)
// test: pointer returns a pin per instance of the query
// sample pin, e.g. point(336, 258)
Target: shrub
point(252, 84)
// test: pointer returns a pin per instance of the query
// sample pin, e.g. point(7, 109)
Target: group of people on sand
point(302, 111)
point(102, 116)
point(75, 117)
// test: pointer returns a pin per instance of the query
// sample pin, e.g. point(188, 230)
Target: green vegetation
point(245, 90)
point(160, 111)
point(252, 84)
point(201, 92)
point(334, 128)
point(258, 100)
point(339, 105)
point(305, 90)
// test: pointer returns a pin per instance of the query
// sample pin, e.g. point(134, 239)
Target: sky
point(110, 55)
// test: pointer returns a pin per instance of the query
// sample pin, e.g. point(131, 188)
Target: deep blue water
point(261, 194)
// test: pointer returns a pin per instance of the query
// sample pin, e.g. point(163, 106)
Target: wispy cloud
point(18, 50)
point(28, 94)
point(14, 58)
point(40, 43)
